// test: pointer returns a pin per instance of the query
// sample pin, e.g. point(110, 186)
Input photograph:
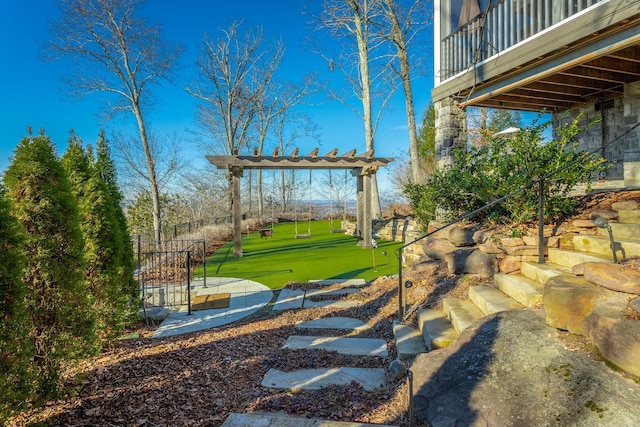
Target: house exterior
point(565, 57)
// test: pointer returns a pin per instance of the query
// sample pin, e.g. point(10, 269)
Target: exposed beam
point(620, 69)
point(295, 162)
point(606, 74)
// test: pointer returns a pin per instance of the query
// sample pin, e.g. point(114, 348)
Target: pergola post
point(359, 203)
point(236, 174)
point(364, 208)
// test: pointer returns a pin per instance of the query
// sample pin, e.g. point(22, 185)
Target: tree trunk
point(153, 181)
point(361, 31)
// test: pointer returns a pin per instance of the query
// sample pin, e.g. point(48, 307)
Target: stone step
point(542, 272)
point(343, 283)
point(289, 299)
point(330, 303)
point(622, 231)
point(602, 246)
point(330, 292)
point(409, 341)
point(314, 379)
point(492, 300)
point(343, 345)
point(337, 322)
point(568, 258)
point(437, 330)
point(522, 289)
point(629, 216)
point(461, 313)
point(280, 420)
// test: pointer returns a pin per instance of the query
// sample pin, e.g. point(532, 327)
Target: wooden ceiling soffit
point(610, 74)
point(616, 68)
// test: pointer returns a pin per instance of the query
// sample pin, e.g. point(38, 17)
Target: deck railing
point(504, 24)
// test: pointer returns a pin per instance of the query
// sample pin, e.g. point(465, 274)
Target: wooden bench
point(266, 232)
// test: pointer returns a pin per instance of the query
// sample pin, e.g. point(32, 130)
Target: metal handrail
point(540, 183)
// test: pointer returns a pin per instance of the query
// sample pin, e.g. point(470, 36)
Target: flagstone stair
point(439, 328)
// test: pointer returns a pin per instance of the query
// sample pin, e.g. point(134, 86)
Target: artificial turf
point(282, 258)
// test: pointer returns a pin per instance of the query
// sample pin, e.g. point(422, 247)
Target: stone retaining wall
point(467, 248)
point(397, 230)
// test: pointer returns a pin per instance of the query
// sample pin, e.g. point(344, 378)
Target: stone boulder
point(625, 205)
point(436, 248)
point(511, 369)
point(470, 261)
point(600, 213)
point(616, 277)
point(568, 300)
point(462, 236)
point(616, 336)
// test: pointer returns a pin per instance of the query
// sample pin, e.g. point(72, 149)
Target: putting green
point(281, 258)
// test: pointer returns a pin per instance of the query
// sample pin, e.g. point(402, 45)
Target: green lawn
point(283, 258)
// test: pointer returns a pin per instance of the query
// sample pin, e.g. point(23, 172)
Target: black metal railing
point(165, 275)
point(540, 182)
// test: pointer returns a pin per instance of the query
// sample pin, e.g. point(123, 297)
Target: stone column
point(451, 130)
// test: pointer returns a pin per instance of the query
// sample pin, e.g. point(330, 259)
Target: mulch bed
point(198, 379)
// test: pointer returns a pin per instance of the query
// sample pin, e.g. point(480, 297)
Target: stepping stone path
point(310, 379)
point(301, 298)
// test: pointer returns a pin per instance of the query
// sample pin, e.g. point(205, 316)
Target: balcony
point(542, 54)
point(505, 24)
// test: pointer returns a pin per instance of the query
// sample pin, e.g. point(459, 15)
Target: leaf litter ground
point(198, 379)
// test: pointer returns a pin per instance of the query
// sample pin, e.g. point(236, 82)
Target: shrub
point(481, 175)
point(16, 349)
point(57, 300)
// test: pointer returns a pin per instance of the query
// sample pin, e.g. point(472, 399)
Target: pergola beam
point(295, 162)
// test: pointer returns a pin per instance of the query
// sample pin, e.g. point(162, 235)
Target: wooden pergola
point(363, 166)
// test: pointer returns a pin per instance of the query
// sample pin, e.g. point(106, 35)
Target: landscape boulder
point(511, 369)
point(436, 248)
point(568, 300)
point(616, 277)
point(470, 261)
point(616, 336)
point(462, 236)
point(625, 205)
point(601, 213)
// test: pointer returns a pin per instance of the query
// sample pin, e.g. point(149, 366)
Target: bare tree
point(166, 152)
point(278, 119)
point(399, 30)
point(290, 126)
point(235, 74)
point(352, 22)
point(119, 54)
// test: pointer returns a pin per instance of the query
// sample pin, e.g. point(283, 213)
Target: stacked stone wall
point(604, 123)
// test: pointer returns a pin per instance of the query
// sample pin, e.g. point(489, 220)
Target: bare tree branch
point(117, 53)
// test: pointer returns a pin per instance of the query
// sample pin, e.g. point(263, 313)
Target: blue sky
point(33, 93)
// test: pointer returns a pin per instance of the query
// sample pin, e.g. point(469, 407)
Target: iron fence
point(165, 271)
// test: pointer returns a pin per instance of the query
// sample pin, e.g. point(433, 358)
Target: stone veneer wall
point(623, 156)
point(397, 230)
